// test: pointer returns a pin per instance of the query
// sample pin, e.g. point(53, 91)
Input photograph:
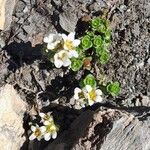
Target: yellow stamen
point(51, 128)
point(81, 95)
point(69, 44)
point(92, 95)
point(37, 132)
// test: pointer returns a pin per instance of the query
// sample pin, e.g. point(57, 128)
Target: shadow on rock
point(22, 53)
point(63, 116)
point(60, 87)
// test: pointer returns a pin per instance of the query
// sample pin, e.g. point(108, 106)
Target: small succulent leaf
point(113, 88)
point(86, 42)
point(98, 42)
point(76, 64)
point(90, 80)
point(95, 23)
point(104, 57)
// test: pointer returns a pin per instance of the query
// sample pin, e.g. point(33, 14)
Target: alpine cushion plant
point(76, 54)
point(83, 53)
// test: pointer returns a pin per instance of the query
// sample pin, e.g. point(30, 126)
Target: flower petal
point(32, 137)
point(41, 114)
point(46, 123)
point(42, 129)
point(77, 90)
point(46, 39)
point(88, 88)
point(47, 136)
point(76, 43)
point(39, 138)
point(76, 93)
point(54, 135)
point(98, 99)
point(98, 92)
point(73, 53)
point(64, 36)
point(90, 102)
point(51, 45)
point(58, 63)
point(71, 36)
point(66, 63)
point(50, 38)
point(33, 128)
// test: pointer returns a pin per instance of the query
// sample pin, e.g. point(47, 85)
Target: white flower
point(53, 40)
point(62, 59)
point(37, 132)
point(70, 43)
point(46, 118)
point(92, 94)
point(50, 131)
point(78, 93)
point(79, 96)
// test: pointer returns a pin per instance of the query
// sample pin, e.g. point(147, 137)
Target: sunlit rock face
point(12, 109)
point(6, 10)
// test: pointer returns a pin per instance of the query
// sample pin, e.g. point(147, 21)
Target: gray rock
point(68, 138)
point(2, 43)
point(68, 21)
point(12, 109)
point(6, 10)
point(115, 130)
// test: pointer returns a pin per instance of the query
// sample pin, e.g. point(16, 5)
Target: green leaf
point(107, 36)
point(96, 23)
point(113, 88)
point(102, 28)
point(90, 80)
point(99, 50)
point(98, 42)
point(91, 34)
point(104, 57)
point(86, 42)
point(76, 64)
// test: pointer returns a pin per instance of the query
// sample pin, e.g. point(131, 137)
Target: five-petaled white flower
point(53, 41)
point(92, 94)
point(62, 59)
point(70, 43)
point(37, 132)
point(46, 118)
point(50, 131)
point(87, 95)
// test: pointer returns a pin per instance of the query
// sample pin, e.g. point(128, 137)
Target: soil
point(37, 80)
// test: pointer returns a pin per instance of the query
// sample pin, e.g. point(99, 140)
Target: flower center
point(92, 95)
point(37, 132)
point(69, 44)
point(51, 128)
point(81, 95)
point(62, 56)
point(46, 117)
